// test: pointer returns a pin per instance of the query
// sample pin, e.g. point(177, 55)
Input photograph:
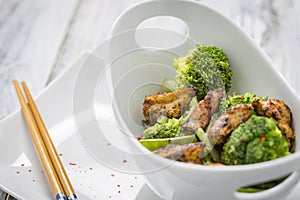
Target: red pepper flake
point(118, 186)
point(119, 191)
point(124, 161)
point(60, 154)
point(71, 163)
point(91, 168)
point(263, 138)
point(112, 175)
point(22, 165)
point(29, 170)
point(139, 137)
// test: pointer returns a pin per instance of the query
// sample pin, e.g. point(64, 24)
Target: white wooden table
point(39, 39)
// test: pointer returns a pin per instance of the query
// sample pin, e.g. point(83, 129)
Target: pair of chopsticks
point(54, 169)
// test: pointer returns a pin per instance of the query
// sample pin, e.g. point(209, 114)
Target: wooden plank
point(90, 27)
point(30, 35)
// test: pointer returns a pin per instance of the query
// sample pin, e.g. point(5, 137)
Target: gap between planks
point(62, 45)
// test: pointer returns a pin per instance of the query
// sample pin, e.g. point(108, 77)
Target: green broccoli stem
point(212, 151)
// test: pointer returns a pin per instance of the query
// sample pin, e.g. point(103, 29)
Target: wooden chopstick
point(58, 166)
point(40, 147)
point(56, 174)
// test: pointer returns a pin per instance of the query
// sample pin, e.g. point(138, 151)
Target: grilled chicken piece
point(190, 153)
point(273, 108)
point(221, 128)
point(280, 112)
point(200, 116)
point(287, 131)
point(172, 104)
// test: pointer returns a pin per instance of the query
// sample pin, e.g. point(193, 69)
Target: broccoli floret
point(266, 148)
point(256, 140)
point(235, 99)
point(164, 128)
point(205, 67)
point(247, 98)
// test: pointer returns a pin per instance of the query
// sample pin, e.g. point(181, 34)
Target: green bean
point(249, 190)
point(262, 186)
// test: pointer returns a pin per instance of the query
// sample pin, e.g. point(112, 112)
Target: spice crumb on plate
point(71, 163)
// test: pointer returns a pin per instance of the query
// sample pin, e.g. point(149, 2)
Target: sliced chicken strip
point(190, 153)
point(201, 115)
point(221, 128)
point(273, 108)
point(172, 104)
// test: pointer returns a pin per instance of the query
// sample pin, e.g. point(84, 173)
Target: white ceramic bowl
point(137, 70)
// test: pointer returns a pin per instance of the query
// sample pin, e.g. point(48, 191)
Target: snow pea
point(153, 144)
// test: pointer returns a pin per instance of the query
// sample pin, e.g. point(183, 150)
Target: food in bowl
point(197, 121)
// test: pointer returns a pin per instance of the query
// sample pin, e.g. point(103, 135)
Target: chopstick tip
point(24, 85)
point(16, 84)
